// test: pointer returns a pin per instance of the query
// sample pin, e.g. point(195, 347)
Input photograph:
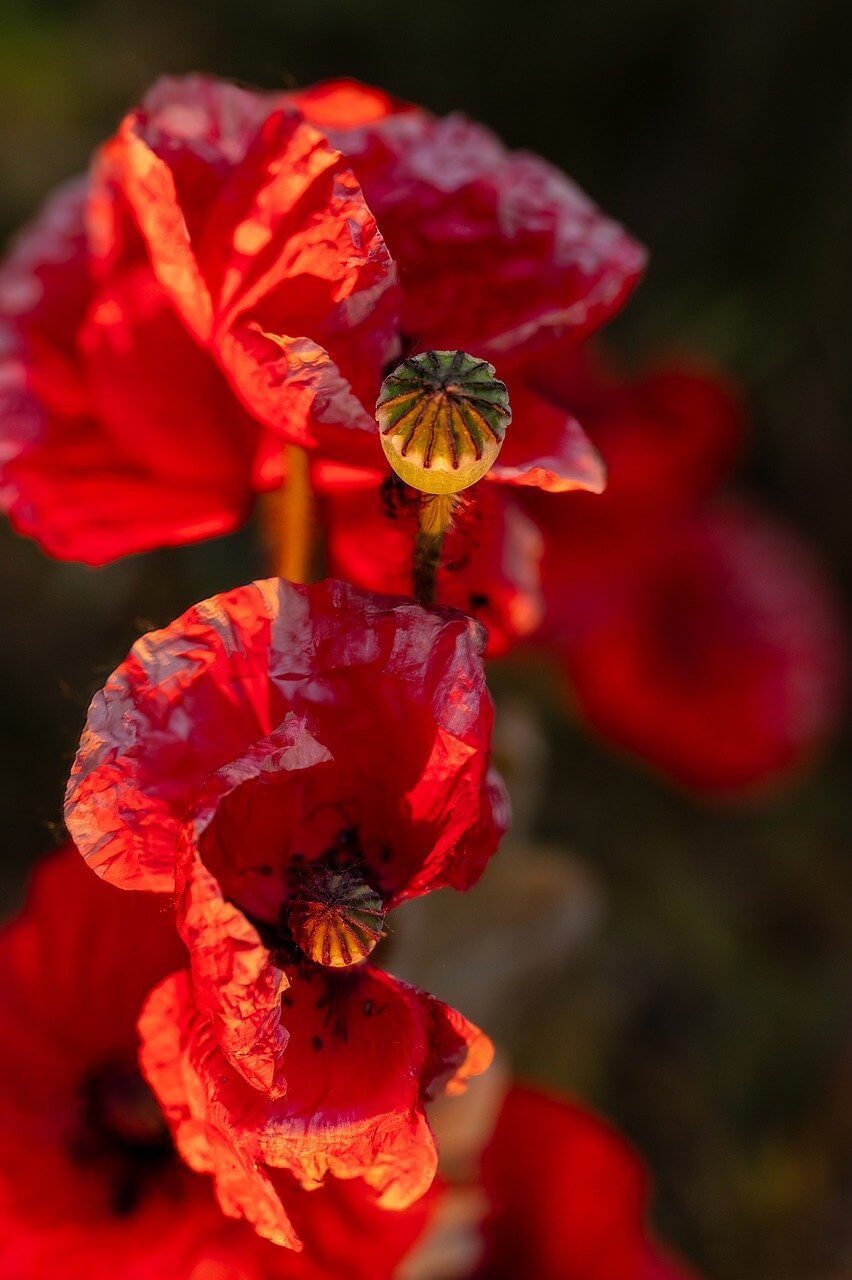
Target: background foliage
point(710, 1017)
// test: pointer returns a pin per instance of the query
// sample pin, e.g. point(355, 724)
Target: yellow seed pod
point(443, 417)
point(337, 918)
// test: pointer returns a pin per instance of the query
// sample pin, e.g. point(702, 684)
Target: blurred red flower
point(90, 1186)
point(697, 634)
point(567, 1198)
point(220, 270)
point(296, 761)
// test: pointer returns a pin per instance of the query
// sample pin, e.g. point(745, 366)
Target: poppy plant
point(221, 240)
point(90, 1185)
point(502, 256)
point(294, 762)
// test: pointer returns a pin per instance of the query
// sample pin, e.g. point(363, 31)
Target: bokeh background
point(709, 1013)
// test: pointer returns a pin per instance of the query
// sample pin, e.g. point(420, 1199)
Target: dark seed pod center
point(337, 919)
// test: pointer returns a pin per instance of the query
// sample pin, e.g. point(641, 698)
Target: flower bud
point(442, 416)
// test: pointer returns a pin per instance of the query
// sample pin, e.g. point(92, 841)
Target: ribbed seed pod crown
point(337, 918)
point(443, 417)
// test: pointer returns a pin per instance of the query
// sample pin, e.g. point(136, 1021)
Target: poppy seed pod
point(337, 919)
point(443, 418)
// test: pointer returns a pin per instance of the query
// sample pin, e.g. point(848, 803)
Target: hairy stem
point(436, 517)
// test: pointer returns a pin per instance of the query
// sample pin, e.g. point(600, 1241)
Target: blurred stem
point(290, 520)
point(436, 517)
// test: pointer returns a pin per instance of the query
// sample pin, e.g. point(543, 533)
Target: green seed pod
point(443, 417)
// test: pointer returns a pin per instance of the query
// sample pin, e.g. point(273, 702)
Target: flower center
point(336, 919)
point(123, 1131)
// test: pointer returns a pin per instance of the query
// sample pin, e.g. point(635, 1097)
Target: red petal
point(660, 1265)
point(263, 229)
point(98, 458)
point(567, 1194)
point(236, 984)
point(351, 1114)
point(546, 448)
point(497, 250)
point(713, 649)
point(667, 439)
point(66, 941)
point(197, 695)
point(344, 104)
point(147, 378)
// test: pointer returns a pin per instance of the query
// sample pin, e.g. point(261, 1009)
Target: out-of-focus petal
point(659, 1264)
point(566, 1193)
point(667, 438)
point(497, 250)
point(546, 448)
point(345, 104)
point(713, 650)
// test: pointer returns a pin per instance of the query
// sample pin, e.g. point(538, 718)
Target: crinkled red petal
point(367, 1052)
point(98, 457)
point(236, 983)
point(261, 237)
point(395, 692)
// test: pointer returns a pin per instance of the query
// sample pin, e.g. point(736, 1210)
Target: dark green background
point(712, 1017)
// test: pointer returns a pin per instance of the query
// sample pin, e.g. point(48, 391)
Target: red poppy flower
point(220, 254)
point(567, 1198)
point(90, 1186)
point(297, 761)
point(223, 242)
point(710, 647)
